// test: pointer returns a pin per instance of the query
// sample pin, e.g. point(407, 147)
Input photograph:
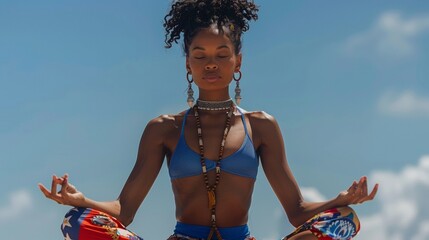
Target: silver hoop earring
point(237, 88)
point(190, 99)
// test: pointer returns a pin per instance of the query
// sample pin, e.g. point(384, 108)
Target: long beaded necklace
point(211, 189)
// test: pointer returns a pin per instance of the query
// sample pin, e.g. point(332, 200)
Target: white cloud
point(406, 103)
point(392, 35)
point(312, 194)
point(423, 231)
point(19, 202)
point(403, 213)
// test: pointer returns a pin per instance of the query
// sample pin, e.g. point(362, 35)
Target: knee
point(344, 219)
point(88, 223)
point(335, 223)
point(71, 222)
point(351, 214)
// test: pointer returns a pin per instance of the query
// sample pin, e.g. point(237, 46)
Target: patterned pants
point(90, 224)
point(334, 224)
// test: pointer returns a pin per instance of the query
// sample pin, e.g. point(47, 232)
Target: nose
point(211, 66)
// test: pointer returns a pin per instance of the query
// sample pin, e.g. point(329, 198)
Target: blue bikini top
point(185, 162)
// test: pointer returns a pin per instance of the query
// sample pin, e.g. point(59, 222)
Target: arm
point(276, 168)
point(148, 164)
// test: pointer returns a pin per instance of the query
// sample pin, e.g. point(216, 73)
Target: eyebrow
point(201, 48)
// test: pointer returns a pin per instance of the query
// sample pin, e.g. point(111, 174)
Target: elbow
point(126, 215)
point(294, 221)
point(296, 218)
point(293, 218)
point(126, 221)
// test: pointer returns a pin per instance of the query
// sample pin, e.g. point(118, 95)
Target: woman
point(213, 155)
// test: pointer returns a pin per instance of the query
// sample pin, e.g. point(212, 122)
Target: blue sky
point(347, 82)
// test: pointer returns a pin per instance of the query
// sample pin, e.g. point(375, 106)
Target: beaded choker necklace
point(214, 105)
point(211, 189)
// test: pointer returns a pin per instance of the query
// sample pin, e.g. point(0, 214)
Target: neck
point(214, 95)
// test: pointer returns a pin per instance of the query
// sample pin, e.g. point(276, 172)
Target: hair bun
point(187, 16)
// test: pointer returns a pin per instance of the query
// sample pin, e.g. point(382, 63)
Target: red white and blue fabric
point(90, 224)
point(333, 224)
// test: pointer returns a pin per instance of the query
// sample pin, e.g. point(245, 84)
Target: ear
point(238, 59)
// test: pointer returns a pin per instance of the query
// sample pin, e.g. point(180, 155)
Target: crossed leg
point(338, 223)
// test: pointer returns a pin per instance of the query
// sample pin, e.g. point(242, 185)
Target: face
point(212, 60)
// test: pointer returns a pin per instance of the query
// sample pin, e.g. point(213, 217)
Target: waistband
point(198, 231)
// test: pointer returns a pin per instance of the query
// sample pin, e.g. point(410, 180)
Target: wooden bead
point(211, 189)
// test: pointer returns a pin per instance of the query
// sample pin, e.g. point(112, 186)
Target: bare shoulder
point(264, 127)
point(260, 119)
point(163, 125)
point(159, 123)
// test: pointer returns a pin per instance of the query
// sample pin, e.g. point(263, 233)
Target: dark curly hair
point(190, 16)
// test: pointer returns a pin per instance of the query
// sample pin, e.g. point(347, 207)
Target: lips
point(211, 77)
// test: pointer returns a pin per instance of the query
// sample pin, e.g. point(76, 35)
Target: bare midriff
point(233, 200)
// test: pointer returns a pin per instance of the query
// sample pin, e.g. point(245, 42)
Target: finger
point(352, 188)
point(70, 187)
point(58, 180)
point(44, 190)
point(66, 186)
point(370, 196)
point(365, 187)
point(54, 195)
point(65, 176)
point(357, 192)
point(54, 185)
point(373, 192)
point(361, 184)
point(360, 188)
point(48, 194)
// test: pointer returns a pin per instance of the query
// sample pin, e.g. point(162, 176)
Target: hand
point(357, 193)
point(68, 194)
